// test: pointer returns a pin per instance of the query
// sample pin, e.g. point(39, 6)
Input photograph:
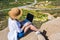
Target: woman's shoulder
point(11, 21)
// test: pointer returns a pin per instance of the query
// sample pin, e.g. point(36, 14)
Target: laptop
point(29, 18)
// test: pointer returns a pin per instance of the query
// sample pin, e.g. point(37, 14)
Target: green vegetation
point(3, 19)
point(50, 6)
point(39, 16)
point(4, 4)
point(47, 0)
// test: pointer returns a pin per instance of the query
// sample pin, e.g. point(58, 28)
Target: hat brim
point(19, 14)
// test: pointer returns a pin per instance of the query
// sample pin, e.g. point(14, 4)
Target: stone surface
point(30, 36)
point(51, 27)
point(40, 37)
point(50, 17)
point(3, 34)
point(55, 36)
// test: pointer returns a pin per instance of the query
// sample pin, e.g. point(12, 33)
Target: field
point(4, 4)
point(39, 16)
point(11, 3)
point(37, 19)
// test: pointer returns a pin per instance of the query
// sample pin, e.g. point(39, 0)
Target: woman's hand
point(25, 25)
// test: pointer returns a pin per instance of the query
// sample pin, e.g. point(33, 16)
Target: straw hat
point(15, 13)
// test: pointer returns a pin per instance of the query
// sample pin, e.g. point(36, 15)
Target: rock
point(33, 36)
point(55, 36)
point(30, 36)
point(3, 34)
point(40, 37)
point(51, 27)
point(50, 17)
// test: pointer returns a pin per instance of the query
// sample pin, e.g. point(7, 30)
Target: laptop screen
point(30, 17)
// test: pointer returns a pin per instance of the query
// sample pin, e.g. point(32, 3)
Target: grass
point(39, 17)
point(50, 6)
point(4, 15)
point(4, 4)
point(3, 19)
point(11, 3)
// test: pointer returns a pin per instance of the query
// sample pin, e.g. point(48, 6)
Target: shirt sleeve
point(14, 27)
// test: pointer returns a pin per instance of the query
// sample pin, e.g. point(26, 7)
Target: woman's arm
point(25, 25)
